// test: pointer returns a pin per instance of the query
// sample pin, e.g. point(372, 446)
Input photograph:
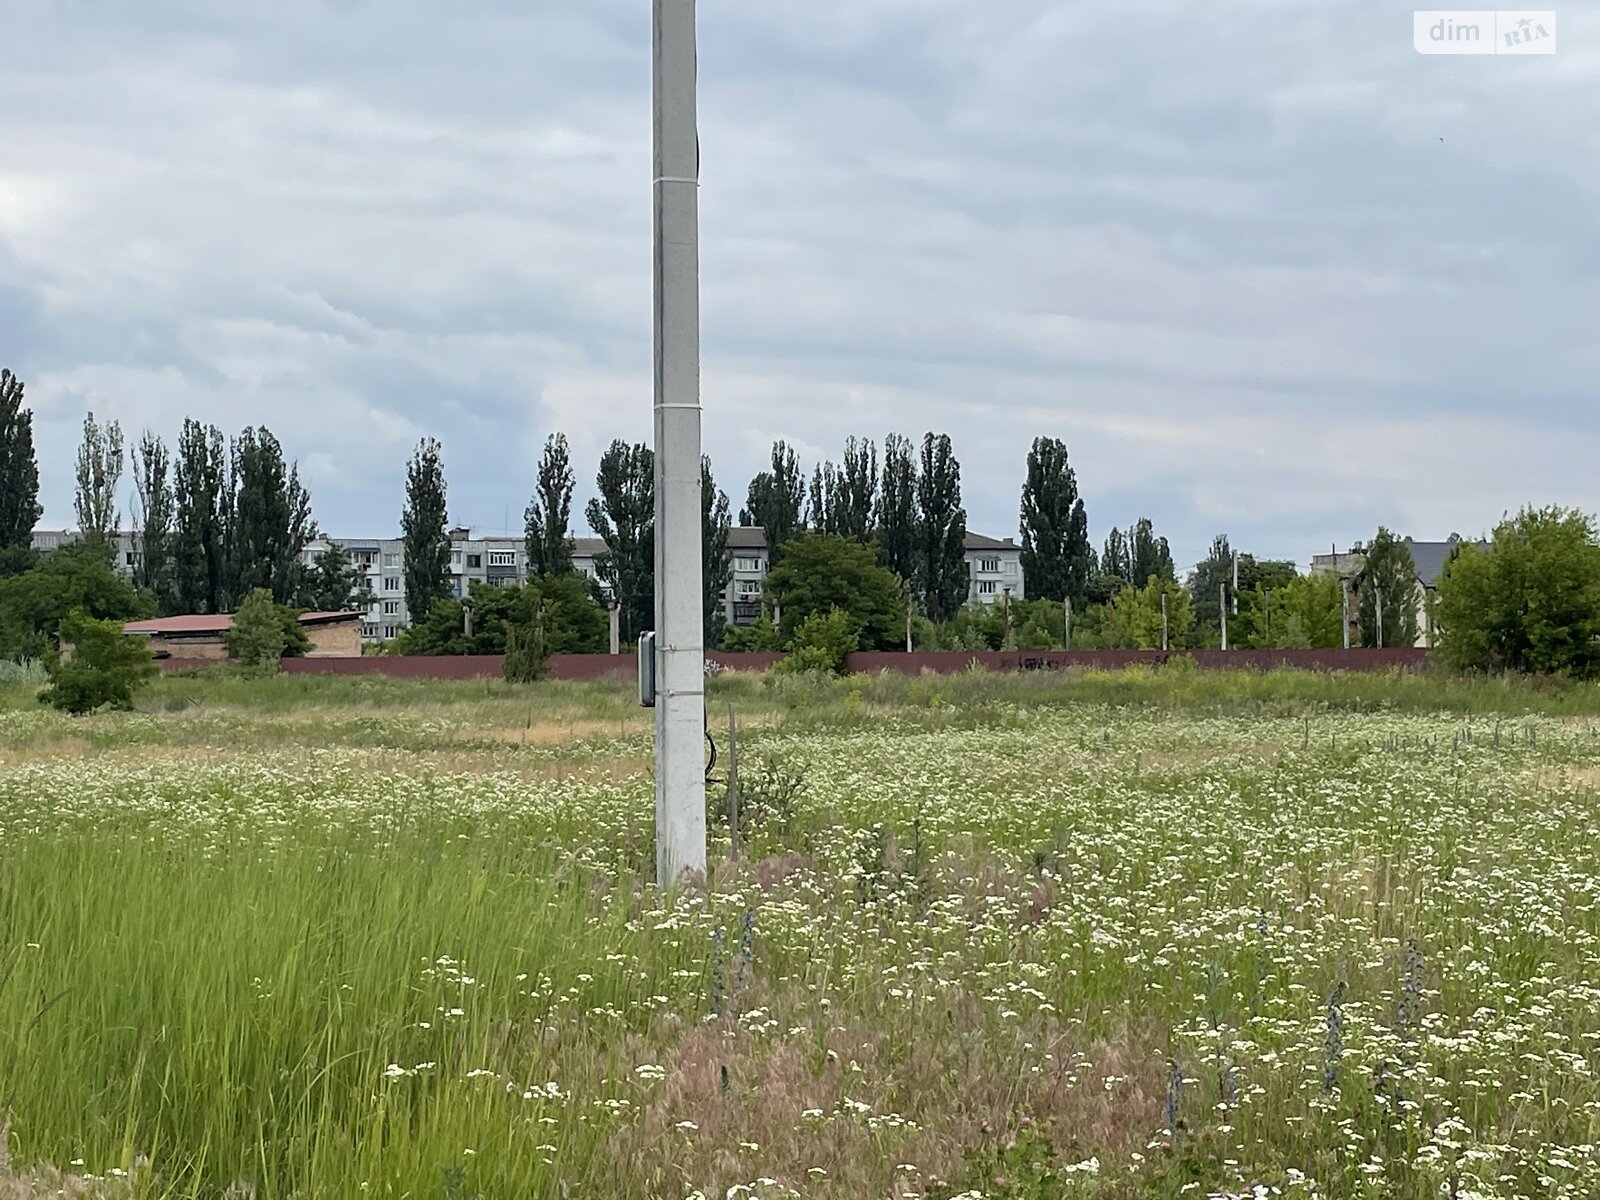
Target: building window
point(455, 556)
point(502, 558)
point(128, 557)
point(391, 583)
point(369, 631)
point(391, 560)
point(391, 608)
point(747, 564)
point(748, 588)
point(991, 565)
point(388, 631)
point(987, 587)
point(474, 560)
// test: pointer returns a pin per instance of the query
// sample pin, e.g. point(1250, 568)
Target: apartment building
point(994, 569)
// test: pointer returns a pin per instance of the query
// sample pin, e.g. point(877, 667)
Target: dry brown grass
point(930, 1103)
point(38, 1183)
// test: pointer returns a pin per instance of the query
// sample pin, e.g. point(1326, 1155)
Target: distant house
point(204, 637)
point(1427, 558)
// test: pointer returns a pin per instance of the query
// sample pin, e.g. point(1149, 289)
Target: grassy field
point(1160, 933)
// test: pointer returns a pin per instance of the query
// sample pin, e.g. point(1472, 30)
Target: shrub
point(29, 672)
point(821, 643)
point(258, 637)
point(101, 669)
point(528, 646)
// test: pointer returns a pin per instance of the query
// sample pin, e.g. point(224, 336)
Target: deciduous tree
point(1057, 559)
point(19, 476)
point(776, 501)
point(942, 529)
point(99, 471)
point(549, 513)
point(623, 516)
point(716, 560)
point(897, 509)
point(823, 572)
point(425, 526)
point(202, 508)
point(1389, 579)
point(152, 485)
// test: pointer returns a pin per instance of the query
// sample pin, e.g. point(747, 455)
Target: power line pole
point(680, 649)
point(1222, 591)
point(1163, 620)
point(1067, 609)
point(1344, 608)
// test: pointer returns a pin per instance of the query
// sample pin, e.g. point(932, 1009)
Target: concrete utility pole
point(1067, 606)
point(1377, 597)
point(680, 648)
point(1236, 583)
point(1344, 608)
point(615, 615)
point(1222, 591)
point(1163, 620)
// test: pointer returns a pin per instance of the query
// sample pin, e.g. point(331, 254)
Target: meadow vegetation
point(1163, 933)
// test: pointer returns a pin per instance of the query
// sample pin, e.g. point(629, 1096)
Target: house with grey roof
point(1428, 560)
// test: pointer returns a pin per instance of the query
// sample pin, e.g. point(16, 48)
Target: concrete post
point(680, 707)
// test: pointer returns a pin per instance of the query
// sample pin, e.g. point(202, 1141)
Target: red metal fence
point(603, 666)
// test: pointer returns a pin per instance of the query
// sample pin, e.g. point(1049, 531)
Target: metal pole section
point(680, 650)
point(1236, 583)
point(1344, 609)
point(1222, 591)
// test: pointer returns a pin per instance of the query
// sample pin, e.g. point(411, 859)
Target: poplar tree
point(623, 516)
point(99, 471)
point(549, 514)
point(1057, 560)
point(897, 509)
point(716, 559)
point(19, 475)
point(942, 530)
point(424, 525)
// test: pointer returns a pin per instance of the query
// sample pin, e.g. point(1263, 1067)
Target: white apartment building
point(994, 568)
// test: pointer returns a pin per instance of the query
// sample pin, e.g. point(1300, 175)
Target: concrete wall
point(337, 639)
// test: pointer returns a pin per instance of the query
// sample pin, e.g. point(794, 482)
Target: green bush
point(29, 672)
point(821, 643)
point(99, 666)
point(257, 638)
point(528, 646)
point(1531, 602)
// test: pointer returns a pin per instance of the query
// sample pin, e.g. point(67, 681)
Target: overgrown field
point(986, 938)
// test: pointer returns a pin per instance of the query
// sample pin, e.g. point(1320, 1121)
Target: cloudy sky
point(1265, 268)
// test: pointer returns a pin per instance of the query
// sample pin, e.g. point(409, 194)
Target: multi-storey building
point(994, 568)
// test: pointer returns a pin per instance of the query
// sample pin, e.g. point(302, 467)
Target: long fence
point(948, 662)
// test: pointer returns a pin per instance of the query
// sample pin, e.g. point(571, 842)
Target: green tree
point(1389, 579)
point(1134, 622)
point(333, 584)
point(152, 488)
point(716, 560)
point(758, 637)
point(35, 604)
point(1116, 559)
point(549, 514)
point(202, 515)
point(822, 642)
point(1057, 559)
point(1206, 582)
point(424, 525)
point(574, 623)
point(897, 509)
point(1531, 602)
point(270, 519)
point(102, 669)
point(942, 530)
point(776, 501)
point(856, 497)
point(99, 472)
point(1149, 556)
point(257, 638)
point(623, 516)
point(823, 507)
point(822, 572)
point(1305, 612)
point(19, 476)
point(528, 645)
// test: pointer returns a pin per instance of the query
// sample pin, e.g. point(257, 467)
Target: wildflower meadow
point(982, 939)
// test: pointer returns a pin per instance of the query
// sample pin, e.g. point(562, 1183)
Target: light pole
point(680, 649)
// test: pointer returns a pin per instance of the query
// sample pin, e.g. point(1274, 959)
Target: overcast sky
point(1265, 268)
